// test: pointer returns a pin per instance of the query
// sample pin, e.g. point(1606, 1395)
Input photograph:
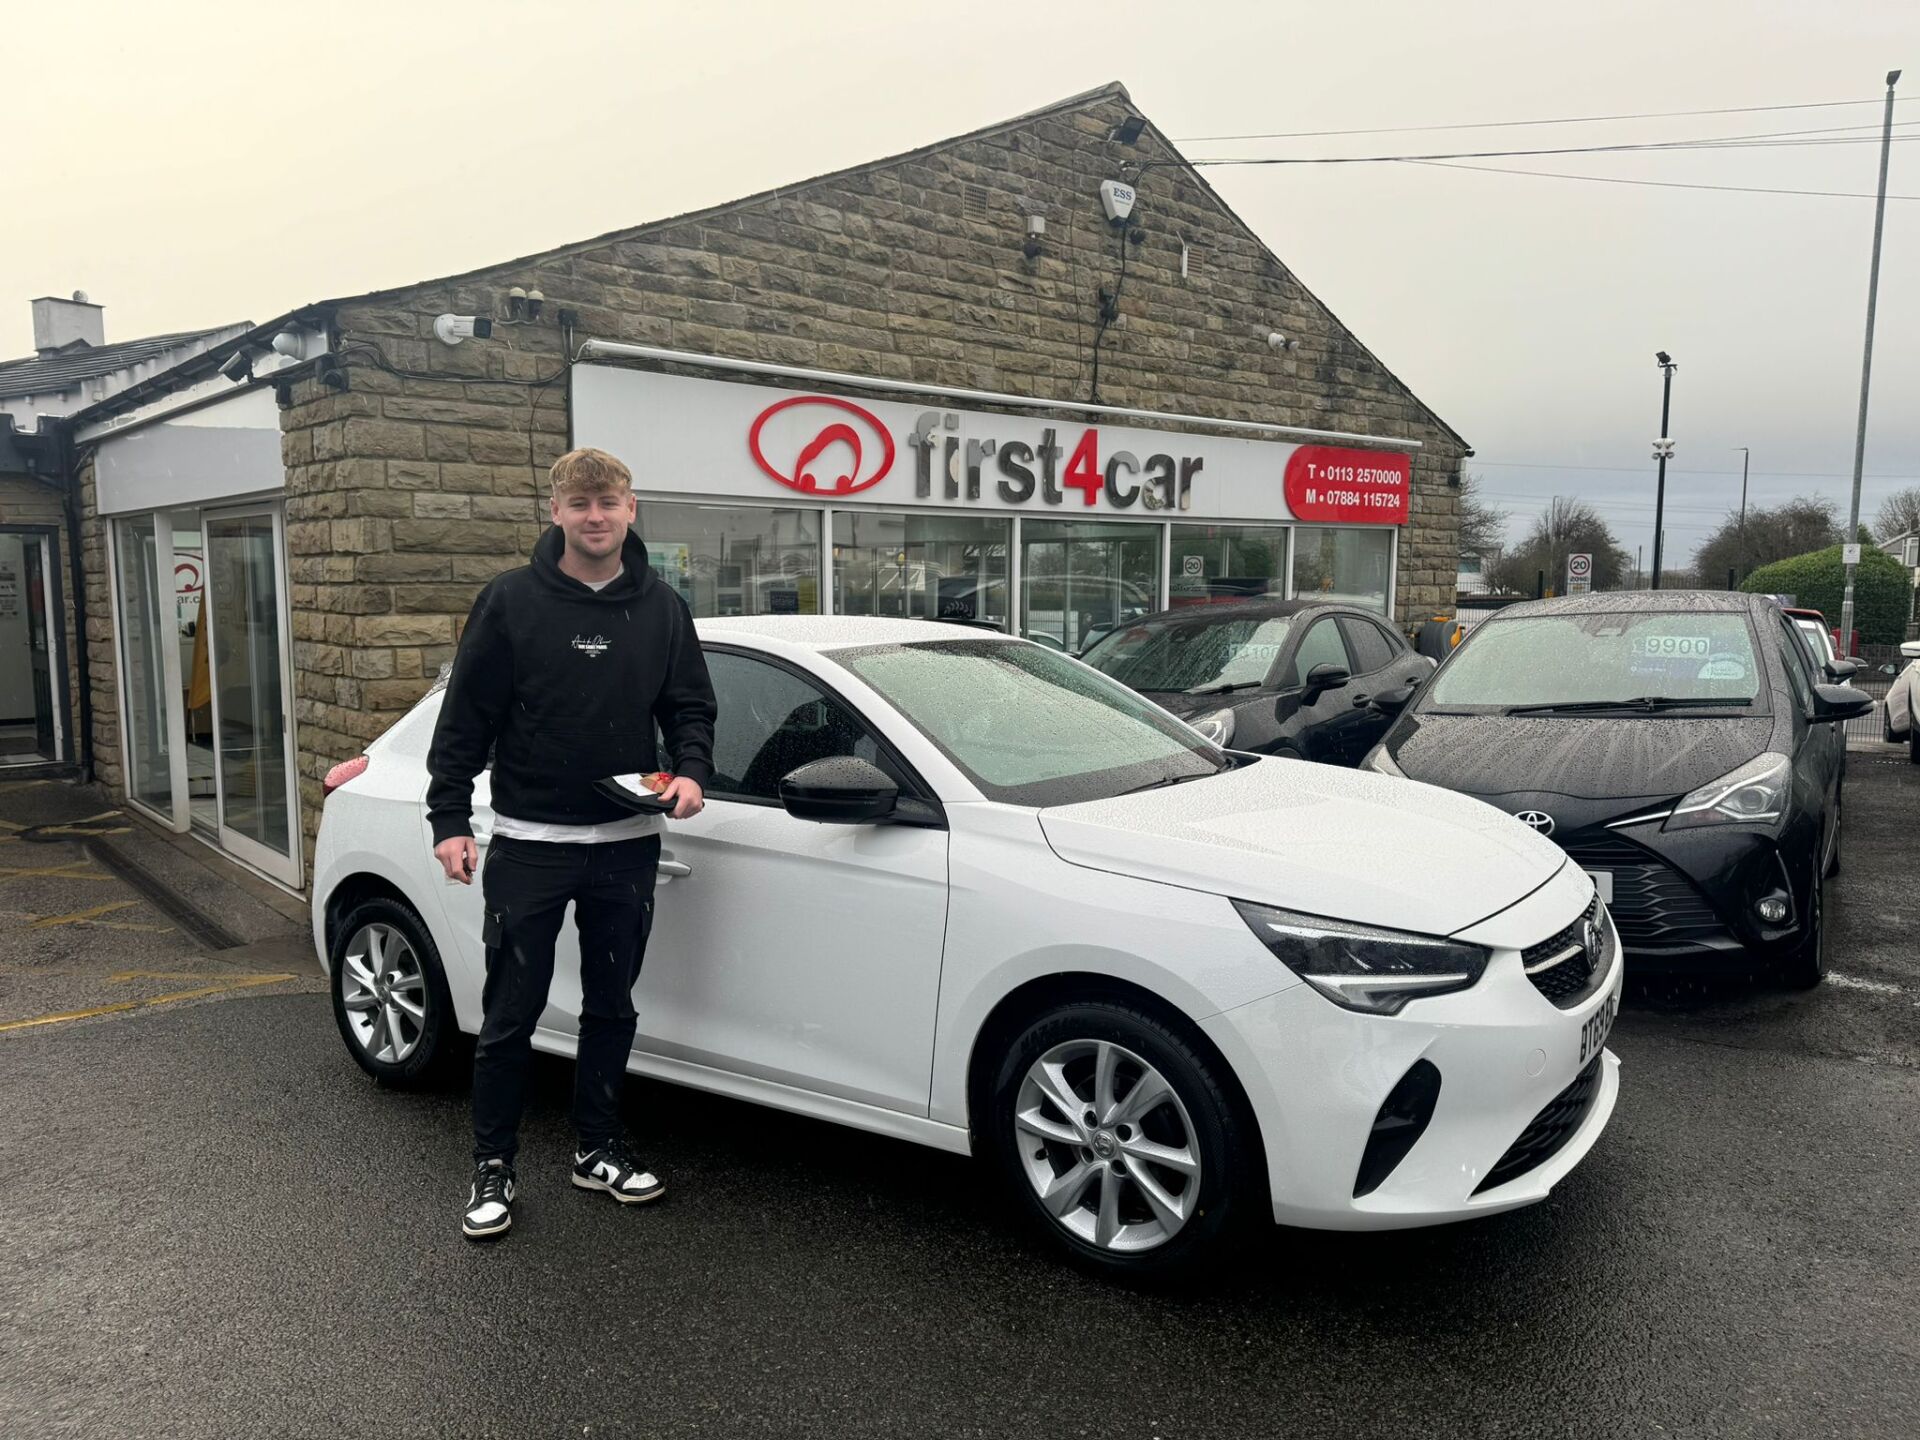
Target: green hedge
point(1882, 590)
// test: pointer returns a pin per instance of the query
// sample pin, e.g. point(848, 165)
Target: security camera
point(1116, 198)
point(237, 367)
point(452, 329)
point(1281, 342)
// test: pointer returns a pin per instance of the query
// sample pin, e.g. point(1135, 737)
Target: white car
point(963, 890)
point(1901, 709)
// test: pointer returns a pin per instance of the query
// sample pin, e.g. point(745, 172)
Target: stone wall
point(27, 501)
point(425, 477)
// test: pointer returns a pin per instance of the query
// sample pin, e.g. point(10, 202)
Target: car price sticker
point(1673, 647)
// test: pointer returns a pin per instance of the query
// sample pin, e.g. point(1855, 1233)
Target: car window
point(771, 722)
point(1368, 645)
point(1191, 650)
point(1799, 667)
point(1602, 657)
point(1321, 645)
point(1818, 640)
point(1028, 725)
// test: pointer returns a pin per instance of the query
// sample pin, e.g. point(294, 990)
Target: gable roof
point(63, 369)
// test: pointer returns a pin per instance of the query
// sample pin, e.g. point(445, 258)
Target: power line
point(1655, 184)
point(1722, 142)
point(1509, 124)
point(1637, 469)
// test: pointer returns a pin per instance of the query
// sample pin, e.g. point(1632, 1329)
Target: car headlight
point(1361, 968)
point(1216, 728)
point(1754, 794)
point(1379, 761)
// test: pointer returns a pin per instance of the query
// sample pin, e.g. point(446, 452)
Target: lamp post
point(1745, 456)
point(1662, 451)
point(1866, 373)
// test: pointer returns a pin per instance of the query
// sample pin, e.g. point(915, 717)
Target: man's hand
point(459, 857)
point(687, 798)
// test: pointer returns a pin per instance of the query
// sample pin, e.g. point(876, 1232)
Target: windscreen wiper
point(1173, 780)
point(1224, 688)
point(1649, 704)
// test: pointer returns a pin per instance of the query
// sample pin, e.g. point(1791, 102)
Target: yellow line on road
point(51, 920)
point(226, 983)
point(72, 870)
point(10, 825)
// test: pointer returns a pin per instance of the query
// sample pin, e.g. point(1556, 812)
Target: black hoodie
point(564, 685)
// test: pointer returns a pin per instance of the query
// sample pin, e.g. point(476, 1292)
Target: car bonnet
point(1345, 844)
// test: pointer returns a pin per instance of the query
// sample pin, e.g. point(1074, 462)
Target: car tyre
point(1913, 742)
point(1203, 1119)
point(1806, 967)
point(390, 996)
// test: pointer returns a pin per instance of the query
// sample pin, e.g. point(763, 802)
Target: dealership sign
point(726, 439)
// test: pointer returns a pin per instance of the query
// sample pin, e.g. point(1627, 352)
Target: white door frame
point(173, 709)
point(288, 868)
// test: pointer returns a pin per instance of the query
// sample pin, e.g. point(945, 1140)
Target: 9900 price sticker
point(1679, 647)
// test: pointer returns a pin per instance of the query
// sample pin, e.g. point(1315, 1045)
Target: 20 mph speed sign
point(1579, 574)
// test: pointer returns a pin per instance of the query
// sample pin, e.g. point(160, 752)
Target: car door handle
point(674, 869)
point(1360, 701)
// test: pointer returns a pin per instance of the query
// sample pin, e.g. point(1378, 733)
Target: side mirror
point(1392, 702)
point(1839, 670)
point(840, 790)
point(1325, 677)
point(1910, 649)
point(1833, 703)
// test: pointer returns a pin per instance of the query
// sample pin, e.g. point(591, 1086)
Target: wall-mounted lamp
point(1036, 233)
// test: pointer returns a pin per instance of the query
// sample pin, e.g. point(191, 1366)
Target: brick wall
point(409, 490)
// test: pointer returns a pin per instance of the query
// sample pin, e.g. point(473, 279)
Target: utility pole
point(1866, 370)
point(1662, 451)
point(1745, 456)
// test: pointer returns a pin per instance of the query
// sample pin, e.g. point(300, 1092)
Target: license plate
point(1603, 882)
point(1593, 1034)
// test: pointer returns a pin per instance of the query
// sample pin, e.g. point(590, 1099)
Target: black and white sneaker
point(611, 1169)
point(490, 1206)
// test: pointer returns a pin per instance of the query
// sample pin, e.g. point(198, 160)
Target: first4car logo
point(839, 436)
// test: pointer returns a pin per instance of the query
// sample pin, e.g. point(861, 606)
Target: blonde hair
point(589, 471)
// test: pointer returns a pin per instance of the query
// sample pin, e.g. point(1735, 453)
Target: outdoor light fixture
point(1036, 232)
point(290, 343)
point(1662, 358)
point(1127, 132)
point(238, 367)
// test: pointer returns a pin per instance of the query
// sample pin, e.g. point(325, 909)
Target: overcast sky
point(191, 163)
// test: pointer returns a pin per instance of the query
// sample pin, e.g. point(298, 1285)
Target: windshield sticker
point(1675, 647)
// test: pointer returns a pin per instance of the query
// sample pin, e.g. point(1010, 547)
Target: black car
point(1678, 745)
point(1291, 678)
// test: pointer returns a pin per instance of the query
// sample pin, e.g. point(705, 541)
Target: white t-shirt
point(632, 827)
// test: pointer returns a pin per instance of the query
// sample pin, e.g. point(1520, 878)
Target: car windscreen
point(1030, 726)
point(1596, 661)
point(1194, 651)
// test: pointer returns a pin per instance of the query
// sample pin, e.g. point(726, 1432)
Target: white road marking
point(1850, 982)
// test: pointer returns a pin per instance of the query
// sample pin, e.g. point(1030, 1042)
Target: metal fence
point(1882, 663)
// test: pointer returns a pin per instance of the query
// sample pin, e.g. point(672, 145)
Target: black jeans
point(526, 885)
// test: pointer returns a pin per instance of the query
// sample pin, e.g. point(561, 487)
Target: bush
point(1882, 589)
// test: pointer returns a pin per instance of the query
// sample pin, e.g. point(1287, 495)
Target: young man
point(564, 669)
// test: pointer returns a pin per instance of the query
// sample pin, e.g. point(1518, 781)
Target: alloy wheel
point(1108, 1146)
point(384, 991)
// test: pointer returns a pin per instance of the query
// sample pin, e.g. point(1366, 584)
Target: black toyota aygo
point(1681, 746)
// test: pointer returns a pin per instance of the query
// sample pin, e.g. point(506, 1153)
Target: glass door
point(250, 687)
point(154, 734)
point(30, 722)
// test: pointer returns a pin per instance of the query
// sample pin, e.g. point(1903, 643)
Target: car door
point(1818, 750)
point(788, 950)
point(1320, 727)
point(1382, 662)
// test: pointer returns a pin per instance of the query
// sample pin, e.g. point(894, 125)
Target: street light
point(1662, 451)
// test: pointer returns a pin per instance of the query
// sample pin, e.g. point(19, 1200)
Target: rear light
point(342, 773)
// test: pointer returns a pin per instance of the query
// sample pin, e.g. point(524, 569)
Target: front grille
point(1576, 976)
point(1550, 1130)
point(1656, 909)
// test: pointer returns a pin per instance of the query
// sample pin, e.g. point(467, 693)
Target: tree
point(1795, 527)
point(1899, 514)
point(1483, 527)
point(1566, 527)
point(1882, 589)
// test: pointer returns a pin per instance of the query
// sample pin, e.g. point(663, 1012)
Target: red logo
point(836, 440)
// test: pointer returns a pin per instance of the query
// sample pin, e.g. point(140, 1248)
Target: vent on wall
point(976, 203)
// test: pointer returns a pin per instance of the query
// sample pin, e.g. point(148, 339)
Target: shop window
point(735, 559)
point(1214, 563)
point(921, 567)
point(1080, 579)
point(1347, 565)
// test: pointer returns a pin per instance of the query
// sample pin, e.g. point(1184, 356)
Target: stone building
point(961, 322)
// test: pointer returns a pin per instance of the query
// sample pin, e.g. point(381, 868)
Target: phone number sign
point(1349, 487)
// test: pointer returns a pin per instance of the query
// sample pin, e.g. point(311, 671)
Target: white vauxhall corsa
point(961, 889)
